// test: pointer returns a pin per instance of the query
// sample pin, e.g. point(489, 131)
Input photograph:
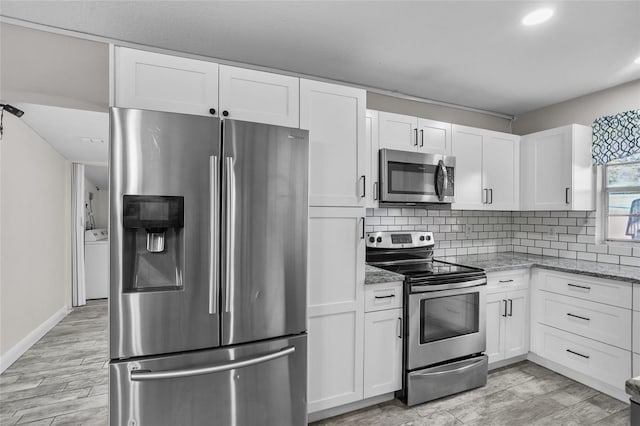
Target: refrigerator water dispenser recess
point(153, 254)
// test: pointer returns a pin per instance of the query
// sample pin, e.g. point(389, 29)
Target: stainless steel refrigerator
point(207, 308)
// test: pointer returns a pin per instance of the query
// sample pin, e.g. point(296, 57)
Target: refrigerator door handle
point(230, 226)
point(213, 234)
point(140, 375)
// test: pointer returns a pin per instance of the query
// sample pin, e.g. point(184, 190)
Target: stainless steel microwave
point(415, 178)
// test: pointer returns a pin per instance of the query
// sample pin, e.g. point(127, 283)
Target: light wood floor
point(62, 380)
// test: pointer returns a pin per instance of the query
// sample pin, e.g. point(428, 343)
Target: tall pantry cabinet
point(338, 183)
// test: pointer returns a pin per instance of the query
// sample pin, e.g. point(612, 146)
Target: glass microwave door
point(411, 178)
point(449, 316)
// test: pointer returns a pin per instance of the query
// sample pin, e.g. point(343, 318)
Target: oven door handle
point(457, 370)
point(431, 288)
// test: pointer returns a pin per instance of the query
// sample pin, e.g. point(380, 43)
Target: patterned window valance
point(616, 136)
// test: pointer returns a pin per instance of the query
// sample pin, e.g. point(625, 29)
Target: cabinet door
point(398, 131)
point(467, 148)
point(434, 137)
point(371, 161)
point(501, 170)
point(382, 352)
point(261, 97)
point(546, 170)
point(335, 306)
point(495, 326)
point(335, 118)
point(146, 80)
point(517, 323)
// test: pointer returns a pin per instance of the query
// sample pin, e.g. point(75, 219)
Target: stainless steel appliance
point(444, 316)
point(208, 271)
point(414, 178)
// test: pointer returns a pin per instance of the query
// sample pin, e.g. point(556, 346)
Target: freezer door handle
point(213, 234)
point(145, 375)
point(230, 228)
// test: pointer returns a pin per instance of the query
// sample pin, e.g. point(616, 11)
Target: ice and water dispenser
point(153, 238)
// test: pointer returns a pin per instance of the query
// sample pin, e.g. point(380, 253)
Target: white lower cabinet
point(507, 325)
point(600, 361)
point(583, 325)
point(335, 307)
point(382, 352)
point(507, 314)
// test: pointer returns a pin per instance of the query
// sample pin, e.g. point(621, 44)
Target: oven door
point(445, 325)
point(412, 177)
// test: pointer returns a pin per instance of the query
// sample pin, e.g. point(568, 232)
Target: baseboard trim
point(30, 339)
point(353, 406)
point(579, 377)
point(505, 362)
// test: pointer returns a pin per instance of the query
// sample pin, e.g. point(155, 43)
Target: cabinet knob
point(212, 111)
point(225, 113)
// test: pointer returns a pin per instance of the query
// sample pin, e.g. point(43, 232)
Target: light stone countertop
point(632, 387)
point(505, 261)
point(373, 275)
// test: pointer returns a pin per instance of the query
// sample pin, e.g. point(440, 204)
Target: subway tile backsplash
point(563, 234)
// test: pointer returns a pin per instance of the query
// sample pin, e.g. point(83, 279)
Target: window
point(622, 199)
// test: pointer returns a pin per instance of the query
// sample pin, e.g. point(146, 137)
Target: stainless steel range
point(444, 316)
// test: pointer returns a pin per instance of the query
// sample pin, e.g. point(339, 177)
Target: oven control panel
point(399, 239)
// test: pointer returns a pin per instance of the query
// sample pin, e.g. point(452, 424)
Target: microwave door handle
point(441, 180)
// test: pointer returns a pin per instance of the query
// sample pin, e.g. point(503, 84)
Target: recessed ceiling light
point(637, 60)
point(537, 17)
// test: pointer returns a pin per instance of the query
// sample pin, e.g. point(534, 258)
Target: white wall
point(35, 260)
point(582, 110)
point(100, 203)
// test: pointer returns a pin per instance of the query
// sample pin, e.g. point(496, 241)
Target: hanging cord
point(1, 118)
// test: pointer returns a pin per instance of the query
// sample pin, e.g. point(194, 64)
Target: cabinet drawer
point(604, 323)
point(382, 296)
point(507, 280)
point(603, 362)
point(615, 293)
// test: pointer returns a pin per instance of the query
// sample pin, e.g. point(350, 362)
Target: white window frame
point(605, 205)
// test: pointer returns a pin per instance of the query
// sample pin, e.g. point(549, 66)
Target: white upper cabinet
point(154, 81)
point(500, 171)
point(407, 133)
point(146, 80)
point(258, 96)
point(372, 146)
point(335, 118)
point(397, 131)
point(487, 169)
point(556, 169)
point(434, 137)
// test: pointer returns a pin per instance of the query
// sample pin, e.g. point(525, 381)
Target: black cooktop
point(428, 268)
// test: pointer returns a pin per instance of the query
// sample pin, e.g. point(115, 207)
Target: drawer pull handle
point(579, 286)
point(399, 328)
point(510, 307)
point(505, 308)
point(579, 354)
point(385, 297)
point(505, 281)
point(578, 316)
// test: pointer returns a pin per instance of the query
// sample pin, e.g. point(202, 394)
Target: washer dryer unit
point(96, 263)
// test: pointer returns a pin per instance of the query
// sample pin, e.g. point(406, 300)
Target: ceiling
point(98, 175)
point(471, 53)
point(79, 136)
